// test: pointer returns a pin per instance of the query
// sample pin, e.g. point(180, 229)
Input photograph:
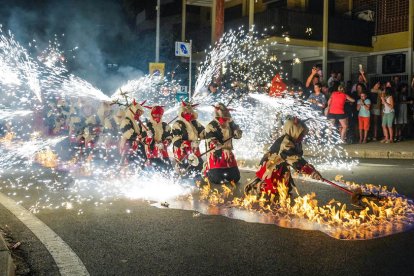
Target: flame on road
point(47, 158)
point(392, 214)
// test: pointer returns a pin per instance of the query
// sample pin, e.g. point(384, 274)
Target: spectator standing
point(336, 109)
point(325, 91)
point(352, 114)
point(312, 80)
point(401, 117)
point(376, 93)
point(361, 80)
point(317, 99)
point(396, 84)
point(301, 95)
point(340, 79)
point(214, 91)
point(388, 115)
point(363, 106)
point(332, 79)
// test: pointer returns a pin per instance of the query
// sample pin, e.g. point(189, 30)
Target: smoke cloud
point(97, 29)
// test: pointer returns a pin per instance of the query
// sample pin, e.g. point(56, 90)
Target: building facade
point(338, 35)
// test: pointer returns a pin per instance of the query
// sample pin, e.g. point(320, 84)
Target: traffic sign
point(182, 49)
point(157, 69)
point(182, 94)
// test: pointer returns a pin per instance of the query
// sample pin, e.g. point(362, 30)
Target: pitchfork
point(356, 195)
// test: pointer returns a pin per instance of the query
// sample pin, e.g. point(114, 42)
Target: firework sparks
point(243, 61)
point(17, 65)
point(8, 114)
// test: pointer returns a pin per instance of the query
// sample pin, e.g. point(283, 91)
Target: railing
point(373, 79)
point(295, 24)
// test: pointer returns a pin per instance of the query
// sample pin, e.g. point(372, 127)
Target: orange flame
point(390, 215)
point(47, 158)
point(7, 138)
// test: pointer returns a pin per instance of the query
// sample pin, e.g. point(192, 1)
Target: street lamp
point(157, 38)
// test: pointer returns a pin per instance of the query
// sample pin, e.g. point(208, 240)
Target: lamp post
point(157, 38)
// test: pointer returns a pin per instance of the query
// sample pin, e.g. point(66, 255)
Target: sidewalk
point(373, 150)
point(399, 150)
point(6, 263)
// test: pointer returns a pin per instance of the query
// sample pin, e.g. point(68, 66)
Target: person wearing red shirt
point(336, 109)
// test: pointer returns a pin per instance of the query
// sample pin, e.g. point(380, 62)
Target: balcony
point(295, 24)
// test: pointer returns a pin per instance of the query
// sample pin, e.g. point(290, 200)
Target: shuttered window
point(392, 16)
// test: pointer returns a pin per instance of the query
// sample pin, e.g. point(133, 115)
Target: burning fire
point(393, 213)
point(47, 158)
point(7, 138)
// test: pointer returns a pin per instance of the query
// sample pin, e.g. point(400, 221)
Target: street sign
point(157, 69)
point(182, 94)
point(182, 49)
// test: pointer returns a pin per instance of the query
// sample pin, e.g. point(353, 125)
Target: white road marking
point(376, 165)
point(66, 260)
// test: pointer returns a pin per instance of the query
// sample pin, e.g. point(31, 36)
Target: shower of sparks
point(261, 118)
point(75, 87)
point(53, 57)
point(6, 114)
point(154, 90)
point(245, 58)
point(17, 67)
point(34, 162)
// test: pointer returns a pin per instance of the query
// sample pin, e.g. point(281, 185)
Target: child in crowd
point(363, 107)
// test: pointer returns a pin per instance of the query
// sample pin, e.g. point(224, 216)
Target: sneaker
point(374, 139)
point(384, 141)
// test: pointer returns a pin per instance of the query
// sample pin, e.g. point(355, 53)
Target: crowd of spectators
point(358, 110)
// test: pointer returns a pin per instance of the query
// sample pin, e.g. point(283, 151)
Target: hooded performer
point(109, 131)
point(187, 132)
point(87, 131)
point(158, 138)
point(131, 146)
point(275, 165)
point(221, 165)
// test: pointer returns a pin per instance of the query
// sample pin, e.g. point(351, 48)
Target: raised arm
point(363, 76)
point(352, 100)
point(313, 73)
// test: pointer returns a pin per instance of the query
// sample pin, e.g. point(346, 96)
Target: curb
point(404, 152)
point(374, 154)
point(381, 154)
point(7, 267)
point(360, 154)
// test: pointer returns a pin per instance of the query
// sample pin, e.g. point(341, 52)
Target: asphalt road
point(153, 241)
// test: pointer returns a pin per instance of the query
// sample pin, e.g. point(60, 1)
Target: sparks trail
point(245, 68)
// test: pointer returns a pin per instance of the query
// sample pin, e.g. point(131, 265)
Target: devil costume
point(107, 141)
point(56, 117)
point(83, 131)
point(275, 165)
point(187, 132)
point(158, 138)
point(131, 145)
point(91, 129)
point(221, 165)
